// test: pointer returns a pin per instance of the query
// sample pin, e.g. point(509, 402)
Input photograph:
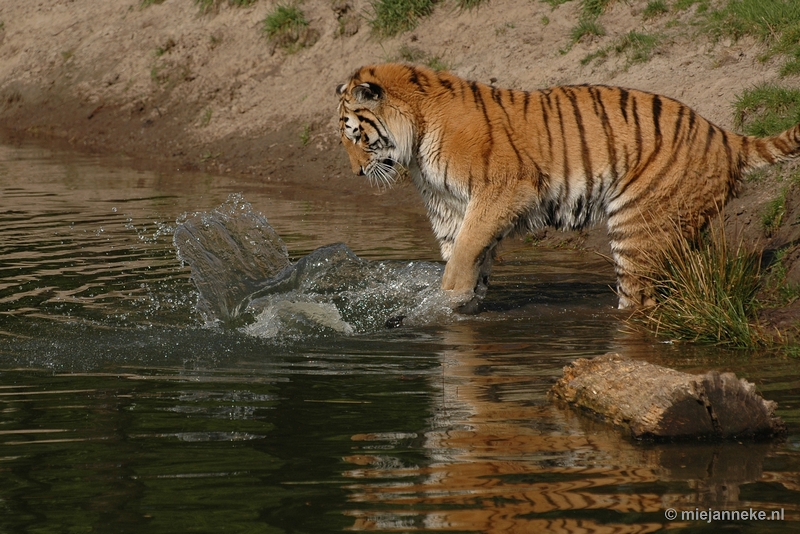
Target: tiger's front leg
point(467, 286)
point(466, 275)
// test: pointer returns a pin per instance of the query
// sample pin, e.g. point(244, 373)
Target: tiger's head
point(375, 126)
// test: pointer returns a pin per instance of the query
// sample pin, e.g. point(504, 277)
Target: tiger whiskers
point(382, 174)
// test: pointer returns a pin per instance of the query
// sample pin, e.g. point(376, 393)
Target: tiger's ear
point(367, 92)
point(340, 89)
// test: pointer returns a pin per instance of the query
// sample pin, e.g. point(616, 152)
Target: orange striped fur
point(489, 162)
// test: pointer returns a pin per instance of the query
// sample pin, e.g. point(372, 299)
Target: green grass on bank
point(775, 22)
point(767, 109)
point(638, 47)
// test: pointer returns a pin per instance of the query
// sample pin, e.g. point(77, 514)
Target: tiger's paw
point(466, 302)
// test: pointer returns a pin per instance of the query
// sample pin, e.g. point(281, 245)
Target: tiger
point(491, 162)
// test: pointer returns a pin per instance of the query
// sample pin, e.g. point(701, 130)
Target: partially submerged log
point(656, 402)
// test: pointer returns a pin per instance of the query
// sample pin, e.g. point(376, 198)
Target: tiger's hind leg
point(634, 291)
point(633, 252)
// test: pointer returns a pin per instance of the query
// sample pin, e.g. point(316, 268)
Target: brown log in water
point(656, 402)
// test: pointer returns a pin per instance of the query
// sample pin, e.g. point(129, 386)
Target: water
point(131, 403)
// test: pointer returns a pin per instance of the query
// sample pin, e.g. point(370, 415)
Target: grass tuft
point(412, 54)
point(767, 109)
point(205, 118)
point(285, 26)
point(706, 292)
point(638, 47)
point(284, 19)
point(204, 5)
point(437, 63)
point(593, 8)
point(772, 216)
point(397, 16)
point(586, 26)
point(777, 288)
point(601, 54)
point(655, 8)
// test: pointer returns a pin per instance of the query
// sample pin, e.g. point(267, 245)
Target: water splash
point(245, 279)
point(231, 251)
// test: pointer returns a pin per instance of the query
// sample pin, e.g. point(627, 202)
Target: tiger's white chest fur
point(446, 199)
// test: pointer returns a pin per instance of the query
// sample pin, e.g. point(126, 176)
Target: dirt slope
point(171, 86)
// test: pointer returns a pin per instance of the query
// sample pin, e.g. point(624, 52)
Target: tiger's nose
point(356, 167)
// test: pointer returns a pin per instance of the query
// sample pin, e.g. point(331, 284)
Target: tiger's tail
point(762, 151)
